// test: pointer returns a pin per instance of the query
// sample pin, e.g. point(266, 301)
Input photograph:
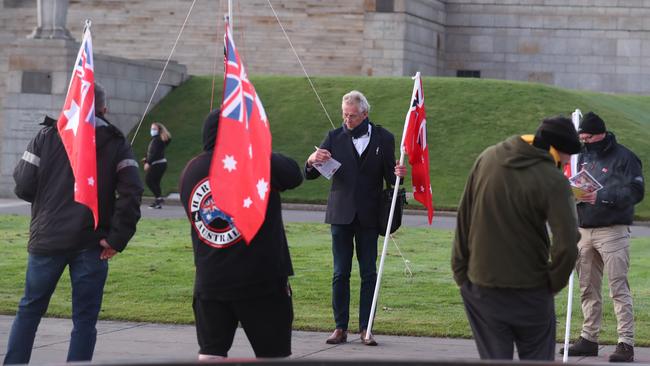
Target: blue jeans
point(342, 250)
point(87, 274)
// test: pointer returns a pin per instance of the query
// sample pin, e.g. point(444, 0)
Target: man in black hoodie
point(237, 281)
point(62, 231)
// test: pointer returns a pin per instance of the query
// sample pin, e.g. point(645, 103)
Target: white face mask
point(154, 132)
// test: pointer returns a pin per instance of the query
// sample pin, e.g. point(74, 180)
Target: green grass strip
point(463, 117)
point(152, 281)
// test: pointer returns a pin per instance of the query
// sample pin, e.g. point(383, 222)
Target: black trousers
point(503, 317)
point(266, 320)
point(154, 176)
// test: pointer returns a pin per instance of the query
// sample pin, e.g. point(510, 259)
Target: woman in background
point(155, 163)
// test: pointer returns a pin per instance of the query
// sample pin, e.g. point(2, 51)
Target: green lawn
point(464, 116)
point(152, 281)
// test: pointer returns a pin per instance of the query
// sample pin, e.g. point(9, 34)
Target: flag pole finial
point(87, 24)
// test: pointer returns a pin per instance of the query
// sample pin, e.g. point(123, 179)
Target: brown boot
point(582, 347)
point(624, 353)
point(339, 336)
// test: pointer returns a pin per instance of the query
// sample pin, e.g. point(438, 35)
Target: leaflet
point(583, 183)
point(327, 168)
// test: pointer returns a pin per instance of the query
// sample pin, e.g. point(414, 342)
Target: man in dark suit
point(367, 156)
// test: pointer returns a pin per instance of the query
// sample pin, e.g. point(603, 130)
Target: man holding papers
point(366, 153)
point(604, 217)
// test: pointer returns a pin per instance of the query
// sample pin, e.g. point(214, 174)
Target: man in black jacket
point(62, 231)
point(367, 156)
point(237, 281)
point(604, 217)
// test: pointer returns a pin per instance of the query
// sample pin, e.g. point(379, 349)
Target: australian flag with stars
point(76, 126)
point(241, 164)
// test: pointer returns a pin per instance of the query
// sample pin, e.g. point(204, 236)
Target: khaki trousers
point(605, 248)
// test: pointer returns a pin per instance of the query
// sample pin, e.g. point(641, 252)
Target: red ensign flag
point(571, 168)
point(76, 126)
point(415, 145)
point(241, 164)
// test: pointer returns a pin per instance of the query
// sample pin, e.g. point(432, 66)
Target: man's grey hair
point(100, 98)
point(356, 97)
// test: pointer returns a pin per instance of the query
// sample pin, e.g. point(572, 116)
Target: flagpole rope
point(163, 71)
point(214, 68)
point(407, 268)
point(301, 64)
point(406, 261)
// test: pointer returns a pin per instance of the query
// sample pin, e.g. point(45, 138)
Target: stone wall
point(38, 72)
point(402, 37)
point(601, 45)
point(331, 37)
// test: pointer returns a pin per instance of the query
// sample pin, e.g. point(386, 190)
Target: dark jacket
point(619, 172)
point(156, 149)
point(512, 191)
point(357, 185)
point(59, 224)
point(227, 268)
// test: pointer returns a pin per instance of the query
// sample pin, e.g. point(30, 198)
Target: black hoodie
point(227, 268)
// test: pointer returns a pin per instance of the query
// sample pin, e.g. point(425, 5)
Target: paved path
point(295, 213)
point(121, 342)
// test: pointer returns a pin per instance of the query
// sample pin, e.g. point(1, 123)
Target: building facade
point(599, 45)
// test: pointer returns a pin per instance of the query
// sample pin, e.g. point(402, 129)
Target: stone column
point(52, 15)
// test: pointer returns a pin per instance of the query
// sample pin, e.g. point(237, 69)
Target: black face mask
point(358, 131)
point(597, 146)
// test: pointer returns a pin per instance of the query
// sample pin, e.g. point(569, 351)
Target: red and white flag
point(76, 126)
point(571, 168)
point(240, 171)
point(415, 145)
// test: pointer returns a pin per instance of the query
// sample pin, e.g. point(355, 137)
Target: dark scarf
point(360, 130)
point(599, 146)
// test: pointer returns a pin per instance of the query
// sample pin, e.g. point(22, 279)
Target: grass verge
point(463, 117)
point(152, 282)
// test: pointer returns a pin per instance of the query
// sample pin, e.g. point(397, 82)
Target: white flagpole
point(567, 331)
point(230, 14)
point(375, 297)
point(575, 117)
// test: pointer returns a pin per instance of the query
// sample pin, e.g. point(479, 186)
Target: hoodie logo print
point(212, 225)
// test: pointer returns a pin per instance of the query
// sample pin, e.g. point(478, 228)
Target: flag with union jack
point(241, 163)
point(76, 126)
point(415, 145)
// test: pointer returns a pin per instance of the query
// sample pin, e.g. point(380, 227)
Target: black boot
point(624, 353)
point(582, 347)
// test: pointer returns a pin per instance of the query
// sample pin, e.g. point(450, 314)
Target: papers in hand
point(327, 168)
point(583, 183)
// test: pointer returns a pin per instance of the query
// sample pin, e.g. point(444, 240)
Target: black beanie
point(592, 124)
point(559, 133)
point(210, 127)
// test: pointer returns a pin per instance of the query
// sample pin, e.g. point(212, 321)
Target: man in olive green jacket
point(503, 260)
